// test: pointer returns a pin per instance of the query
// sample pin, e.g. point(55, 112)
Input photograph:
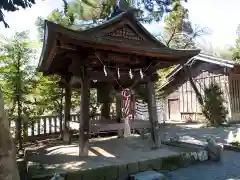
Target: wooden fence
point(46, 125)
point(52, 125)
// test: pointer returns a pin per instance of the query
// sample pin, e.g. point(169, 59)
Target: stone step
point(148, 175)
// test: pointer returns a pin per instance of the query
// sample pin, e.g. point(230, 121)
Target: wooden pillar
point(84, 115)
point(67, 111)
point(61, 111)
point(133, 101)
point(118, 108)
point(133, 109)
point(119, 112)
point(152, 111)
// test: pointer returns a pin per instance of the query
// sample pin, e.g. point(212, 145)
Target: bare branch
point(162, 38)
point(172, 35)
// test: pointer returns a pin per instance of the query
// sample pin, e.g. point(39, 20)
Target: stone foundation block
point(171, 163)
point(143, 166)
point(112, 172)
point(122, 172)
point(155, 164)
point(74, 175)
point(133, 168)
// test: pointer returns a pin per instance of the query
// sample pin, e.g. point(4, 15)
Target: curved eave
point(48, 43)
point(52, 31)
point(98, 43)
point(52, 28)
point(44, 49)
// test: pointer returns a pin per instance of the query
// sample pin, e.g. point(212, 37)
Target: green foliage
point(91, 9)
point(50, 90)
point(162, 78)
point(213, 108)
point(95, 9)
point(48, 95)
point(225, 54)
point(221, 52)
point(16, 4)
point(94, 104)
point(13, 6)
point(48, 86)
point(78, 12)
point(56, 16)
point(27, 93)
point(17, 74)
point(178, 34)
point(178, 31)
point(236, 50)
point(17, 78)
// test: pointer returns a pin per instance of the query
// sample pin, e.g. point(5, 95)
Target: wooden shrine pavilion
point(107, 54)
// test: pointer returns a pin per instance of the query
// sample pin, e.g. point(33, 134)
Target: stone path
point(228, 169)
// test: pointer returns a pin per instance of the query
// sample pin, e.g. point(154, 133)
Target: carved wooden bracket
point(78, 59)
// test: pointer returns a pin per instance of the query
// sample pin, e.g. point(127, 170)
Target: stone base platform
point(109, 159)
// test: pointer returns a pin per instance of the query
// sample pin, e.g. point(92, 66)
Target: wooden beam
point(198, 94)
point(98, 45)
point(152, 111)
point(112, 76)
point(160, 65)
point(78, 60)
point(117, 60)
point(84, 115)
point(125, 84)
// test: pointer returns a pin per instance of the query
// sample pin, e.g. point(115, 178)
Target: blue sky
point(220, 16)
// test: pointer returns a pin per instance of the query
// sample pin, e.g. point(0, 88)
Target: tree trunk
point(19, 109)
point(152, 111)
point(8, 163)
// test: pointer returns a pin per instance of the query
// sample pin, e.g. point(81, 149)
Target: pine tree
point(213, 109)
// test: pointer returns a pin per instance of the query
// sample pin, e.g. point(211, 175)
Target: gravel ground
point(198, 132)
point(228, 169)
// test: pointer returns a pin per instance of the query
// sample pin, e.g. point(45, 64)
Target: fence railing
point(46, 125)
point(50, 125)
